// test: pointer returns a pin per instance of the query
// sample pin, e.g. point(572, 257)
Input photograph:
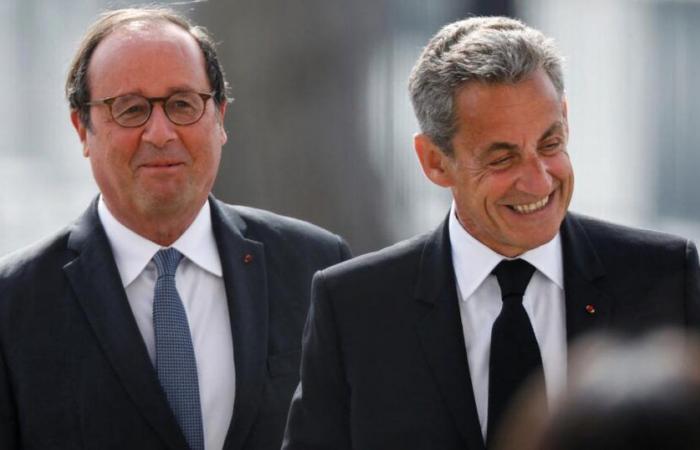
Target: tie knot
point(167, 260)
point(513, 276)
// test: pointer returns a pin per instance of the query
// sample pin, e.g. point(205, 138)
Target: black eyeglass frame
point(151, 100)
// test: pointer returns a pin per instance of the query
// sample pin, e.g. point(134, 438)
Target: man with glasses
point(162, 318)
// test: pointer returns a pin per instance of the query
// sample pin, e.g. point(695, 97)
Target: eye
point(129, 106)
point(133, 110)
point(184, 102)
point(502, 162)
point(551, 147)
point(180, 104)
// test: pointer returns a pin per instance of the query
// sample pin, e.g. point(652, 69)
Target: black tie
point(514, 351)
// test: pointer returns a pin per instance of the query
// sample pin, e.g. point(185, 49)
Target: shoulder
point(282, 235)
point(262, 224)
point(39, 261)
point(626, 249)
point(259, 220)
point(400, 261)
point(605, 234)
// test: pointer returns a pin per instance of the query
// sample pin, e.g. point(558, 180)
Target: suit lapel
point(97, 285)
point(245, 279)
point(440, 333)
point(587, 304)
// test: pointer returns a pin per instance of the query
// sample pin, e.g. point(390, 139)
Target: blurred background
point(321, 127)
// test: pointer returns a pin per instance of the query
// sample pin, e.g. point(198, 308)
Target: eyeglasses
point(133, 110)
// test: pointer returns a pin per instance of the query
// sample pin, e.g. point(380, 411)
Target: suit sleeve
point(692, 287)
point(319, 414)
point(8, 417)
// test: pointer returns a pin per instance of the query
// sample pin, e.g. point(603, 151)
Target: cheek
point(560, 167)
point(114, 152)
point(117, 142)
point(496, 188)
point(205, 151)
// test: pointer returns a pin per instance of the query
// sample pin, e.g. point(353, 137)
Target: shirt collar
point(473, 261)
point(132, 252)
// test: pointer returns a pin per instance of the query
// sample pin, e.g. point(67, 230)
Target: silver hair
point(485, 49)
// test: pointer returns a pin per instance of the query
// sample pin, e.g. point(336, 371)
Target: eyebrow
point(496, 146)
point(172, 90)
point(556, 126)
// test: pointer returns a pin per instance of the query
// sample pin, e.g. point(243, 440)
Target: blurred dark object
point(624, 394)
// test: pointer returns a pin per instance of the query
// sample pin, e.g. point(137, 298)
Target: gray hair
point(485, 49)
point(77, 86)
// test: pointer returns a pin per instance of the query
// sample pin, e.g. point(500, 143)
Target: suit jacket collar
point(441, 336)
point(97, 285)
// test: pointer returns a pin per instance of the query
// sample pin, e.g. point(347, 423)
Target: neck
point(157, 226)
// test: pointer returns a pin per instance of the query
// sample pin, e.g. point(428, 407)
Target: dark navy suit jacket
point(75, 373)
point(384, 365)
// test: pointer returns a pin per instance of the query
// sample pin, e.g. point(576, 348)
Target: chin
point(162, 203)
point(530, 242)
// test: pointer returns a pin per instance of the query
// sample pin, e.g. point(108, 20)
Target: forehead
point(508, 112)
point(150, 58)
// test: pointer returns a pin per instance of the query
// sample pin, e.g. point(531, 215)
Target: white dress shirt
point(480, 303)
point(200, 284)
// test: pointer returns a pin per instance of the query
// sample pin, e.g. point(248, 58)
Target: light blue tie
point(175, 361)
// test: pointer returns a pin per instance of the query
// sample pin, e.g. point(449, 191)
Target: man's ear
point(81, 130)
point(433, 160)
point(222, 114)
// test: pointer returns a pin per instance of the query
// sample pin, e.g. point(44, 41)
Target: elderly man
point(423, 345)
point(162, 318)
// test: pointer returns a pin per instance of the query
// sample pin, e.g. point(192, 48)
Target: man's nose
point(159, 130)
point(535, 178)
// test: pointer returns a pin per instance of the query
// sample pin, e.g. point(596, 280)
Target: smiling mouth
point(529, 208)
